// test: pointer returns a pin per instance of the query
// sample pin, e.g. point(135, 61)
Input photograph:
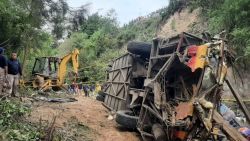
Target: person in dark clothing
point(86, 90)
point(14, 72)
point(3, 70)
point(80, 87)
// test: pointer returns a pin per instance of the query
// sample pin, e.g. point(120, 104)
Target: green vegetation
point(173, 24)
point(24, 28)
point(13, 126)
point(21, 24)
point(174, 6)
point(97, 41)
point(99, 38)
point(141, 29)
point(74, 130)
point(233, 16)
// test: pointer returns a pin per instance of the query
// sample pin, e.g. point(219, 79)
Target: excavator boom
point(50, 72)
point(63, 65)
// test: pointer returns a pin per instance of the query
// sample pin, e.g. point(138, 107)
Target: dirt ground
point(86, 112)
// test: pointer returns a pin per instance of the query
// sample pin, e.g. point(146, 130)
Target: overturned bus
point(171, 89)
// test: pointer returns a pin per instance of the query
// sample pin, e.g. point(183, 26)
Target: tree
point(22, 23)
point(232, 16)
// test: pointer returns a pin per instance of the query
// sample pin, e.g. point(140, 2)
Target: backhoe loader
point(50, 72)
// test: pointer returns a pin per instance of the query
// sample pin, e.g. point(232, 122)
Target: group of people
point(10, 72)
point(83, 88)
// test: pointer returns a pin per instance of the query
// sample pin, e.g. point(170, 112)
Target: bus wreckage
point(171, 89)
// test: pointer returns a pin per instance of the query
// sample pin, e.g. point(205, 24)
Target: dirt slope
point(183, 21)
point(87, 112)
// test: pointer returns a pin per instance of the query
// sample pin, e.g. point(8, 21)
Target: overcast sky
point(126, 9)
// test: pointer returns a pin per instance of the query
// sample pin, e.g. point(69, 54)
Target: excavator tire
point(139, 48)
point(126, 119)
point(38, 81)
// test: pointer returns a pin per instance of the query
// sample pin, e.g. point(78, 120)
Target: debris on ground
point(59, 100)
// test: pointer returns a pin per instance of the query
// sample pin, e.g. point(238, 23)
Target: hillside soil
point(182, 21)
point(83, 120)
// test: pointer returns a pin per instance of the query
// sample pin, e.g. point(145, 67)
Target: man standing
point(3, 70)
point(14, 72)
point(86, 90)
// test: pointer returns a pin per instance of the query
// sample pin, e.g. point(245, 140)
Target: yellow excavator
point(50, 72)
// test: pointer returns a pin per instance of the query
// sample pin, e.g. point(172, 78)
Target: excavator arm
point(62, 70)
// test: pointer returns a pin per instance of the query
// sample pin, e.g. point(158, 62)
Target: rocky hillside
point(182, 21)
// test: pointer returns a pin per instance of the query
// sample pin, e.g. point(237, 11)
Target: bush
point(232, 16)
point(12, 126)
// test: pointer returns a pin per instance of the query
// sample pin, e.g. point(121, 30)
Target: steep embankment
point(182, 21)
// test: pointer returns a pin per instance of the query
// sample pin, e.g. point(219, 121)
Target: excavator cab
point(50, 72)
point(46, 66)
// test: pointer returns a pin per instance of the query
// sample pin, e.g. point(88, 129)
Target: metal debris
point(59, 100)
point(176, 91)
